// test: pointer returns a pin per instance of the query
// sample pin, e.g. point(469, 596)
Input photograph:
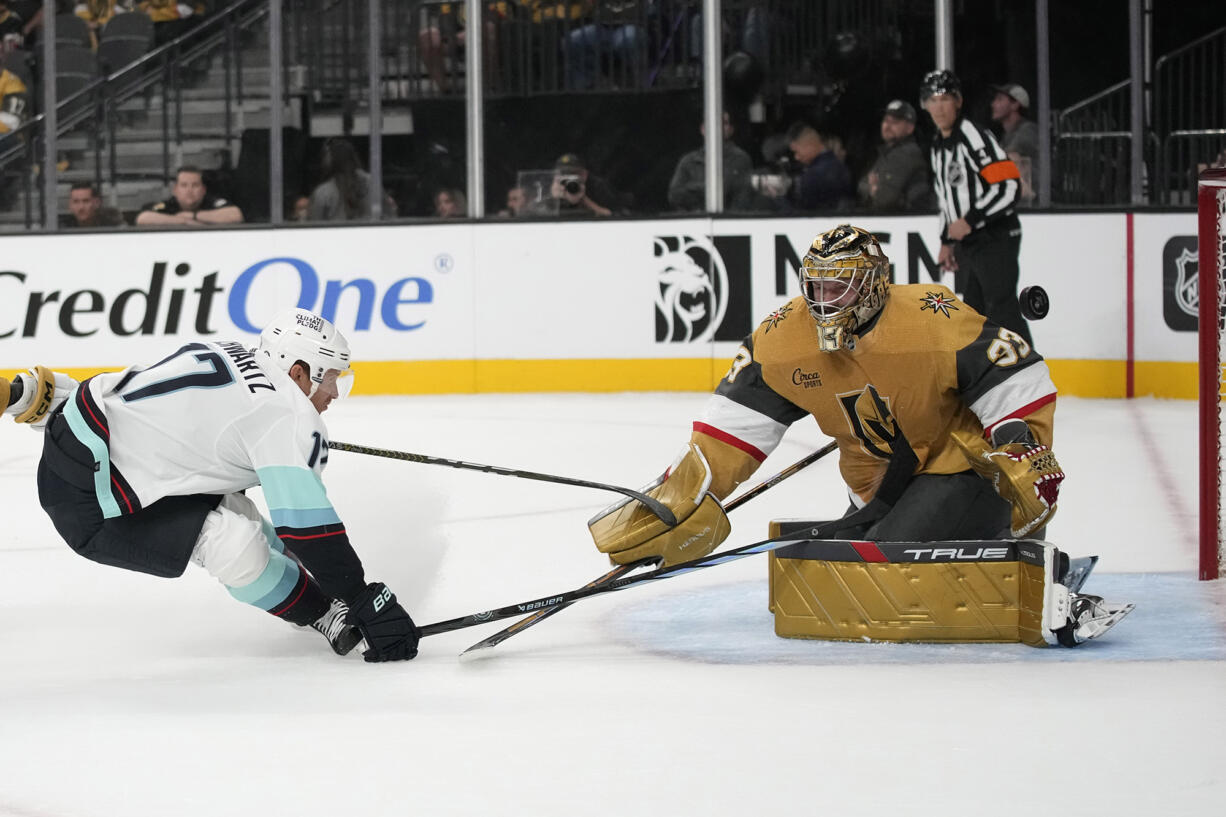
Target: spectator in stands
point(443, 37)
point(12, 29)
point(86, 210)
point(14, 101)
point(189, 205)
point(97, 13)
point(450, 203)
point(516, 201)
point(344, 195)
point(171, 18)
point(612, 30)
point(31, 14)
point(825, 181)
point(688, 189)
point(299, 208)
point(577, 193)
point(749, 22)
point(1220, 161)
point(1019, 136)
point(898, 180)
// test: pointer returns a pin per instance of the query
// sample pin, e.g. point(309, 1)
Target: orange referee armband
point(1000, 172)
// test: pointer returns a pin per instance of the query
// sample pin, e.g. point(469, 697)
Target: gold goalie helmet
point(843, 277)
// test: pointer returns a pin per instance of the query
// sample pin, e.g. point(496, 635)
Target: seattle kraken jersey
point(213, 418)
point(928, 365)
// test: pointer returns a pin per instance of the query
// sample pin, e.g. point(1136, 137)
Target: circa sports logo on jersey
point(1180, 298)
point(702, 288)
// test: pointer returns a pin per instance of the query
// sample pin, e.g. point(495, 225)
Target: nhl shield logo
point(955, 176)
point(1187, 266)
point(1180, 288)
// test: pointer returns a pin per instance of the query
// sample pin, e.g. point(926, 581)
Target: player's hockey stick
point(654, 505)
point(512, 610)
point(621, 570)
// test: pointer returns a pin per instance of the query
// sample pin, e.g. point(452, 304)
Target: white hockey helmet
point(298, 335)
point(843, 277)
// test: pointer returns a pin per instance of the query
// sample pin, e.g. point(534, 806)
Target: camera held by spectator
point(571, 188)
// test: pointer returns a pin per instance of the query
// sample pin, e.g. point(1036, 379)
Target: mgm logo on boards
point(703, 287)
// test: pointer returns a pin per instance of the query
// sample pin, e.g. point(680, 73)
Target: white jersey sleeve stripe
point(751, 431)
point(973, 137)
point(1026, 389)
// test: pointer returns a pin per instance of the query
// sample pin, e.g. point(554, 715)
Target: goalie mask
point(843, 278)
point(297, 335)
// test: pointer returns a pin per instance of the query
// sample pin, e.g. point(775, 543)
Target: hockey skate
point(1089, 617)
point(1078, 571)
point(343, 637)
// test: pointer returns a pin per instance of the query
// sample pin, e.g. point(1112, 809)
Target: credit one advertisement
point(627, 290)
point(112, 299)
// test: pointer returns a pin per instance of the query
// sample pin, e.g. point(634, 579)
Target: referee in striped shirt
point(977, 187)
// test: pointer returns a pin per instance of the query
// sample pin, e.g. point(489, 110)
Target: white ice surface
point(123, 695)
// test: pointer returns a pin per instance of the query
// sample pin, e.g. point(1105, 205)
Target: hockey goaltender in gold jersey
point(944, 428)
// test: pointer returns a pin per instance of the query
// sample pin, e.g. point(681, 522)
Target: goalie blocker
point(984, 591)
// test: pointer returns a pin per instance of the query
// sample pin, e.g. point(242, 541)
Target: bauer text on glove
point(389, 632)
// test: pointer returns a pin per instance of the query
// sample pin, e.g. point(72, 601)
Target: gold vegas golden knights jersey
point(926, 365)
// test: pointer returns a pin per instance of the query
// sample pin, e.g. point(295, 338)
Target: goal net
point(1211, 201)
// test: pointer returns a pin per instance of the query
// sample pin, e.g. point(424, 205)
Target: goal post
point(1211, 286)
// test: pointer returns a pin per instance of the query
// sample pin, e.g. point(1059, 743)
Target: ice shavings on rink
point(1177, 619)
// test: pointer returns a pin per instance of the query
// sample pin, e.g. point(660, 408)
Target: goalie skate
point(1078, 571)
point(1089, 617)
point(343, 637)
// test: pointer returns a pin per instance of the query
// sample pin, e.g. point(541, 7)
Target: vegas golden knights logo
point(871, 421)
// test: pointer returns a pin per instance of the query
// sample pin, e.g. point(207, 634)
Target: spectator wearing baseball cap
point(576, 192)
point(898, 181)
point(1019, 136)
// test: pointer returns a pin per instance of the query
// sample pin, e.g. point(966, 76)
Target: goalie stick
point(654, 505)
point(620, 570)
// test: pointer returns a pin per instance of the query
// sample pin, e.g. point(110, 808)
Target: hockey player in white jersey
point(145, 469)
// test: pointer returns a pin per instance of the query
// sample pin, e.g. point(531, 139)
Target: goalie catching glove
point(34, 395)
point(629, 532)
point(1024, 473)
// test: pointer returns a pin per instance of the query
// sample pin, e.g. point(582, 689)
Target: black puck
point(1034, 302)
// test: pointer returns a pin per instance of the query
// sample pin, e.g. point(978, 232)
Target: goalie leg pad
point(991, 591)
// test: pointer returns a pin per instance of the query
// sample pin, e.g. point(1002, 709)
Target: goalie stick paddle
point(653, 505)
point(621, 570)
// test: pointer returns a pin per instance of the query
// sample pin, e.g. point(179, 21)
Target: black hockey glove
point(389, 632)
